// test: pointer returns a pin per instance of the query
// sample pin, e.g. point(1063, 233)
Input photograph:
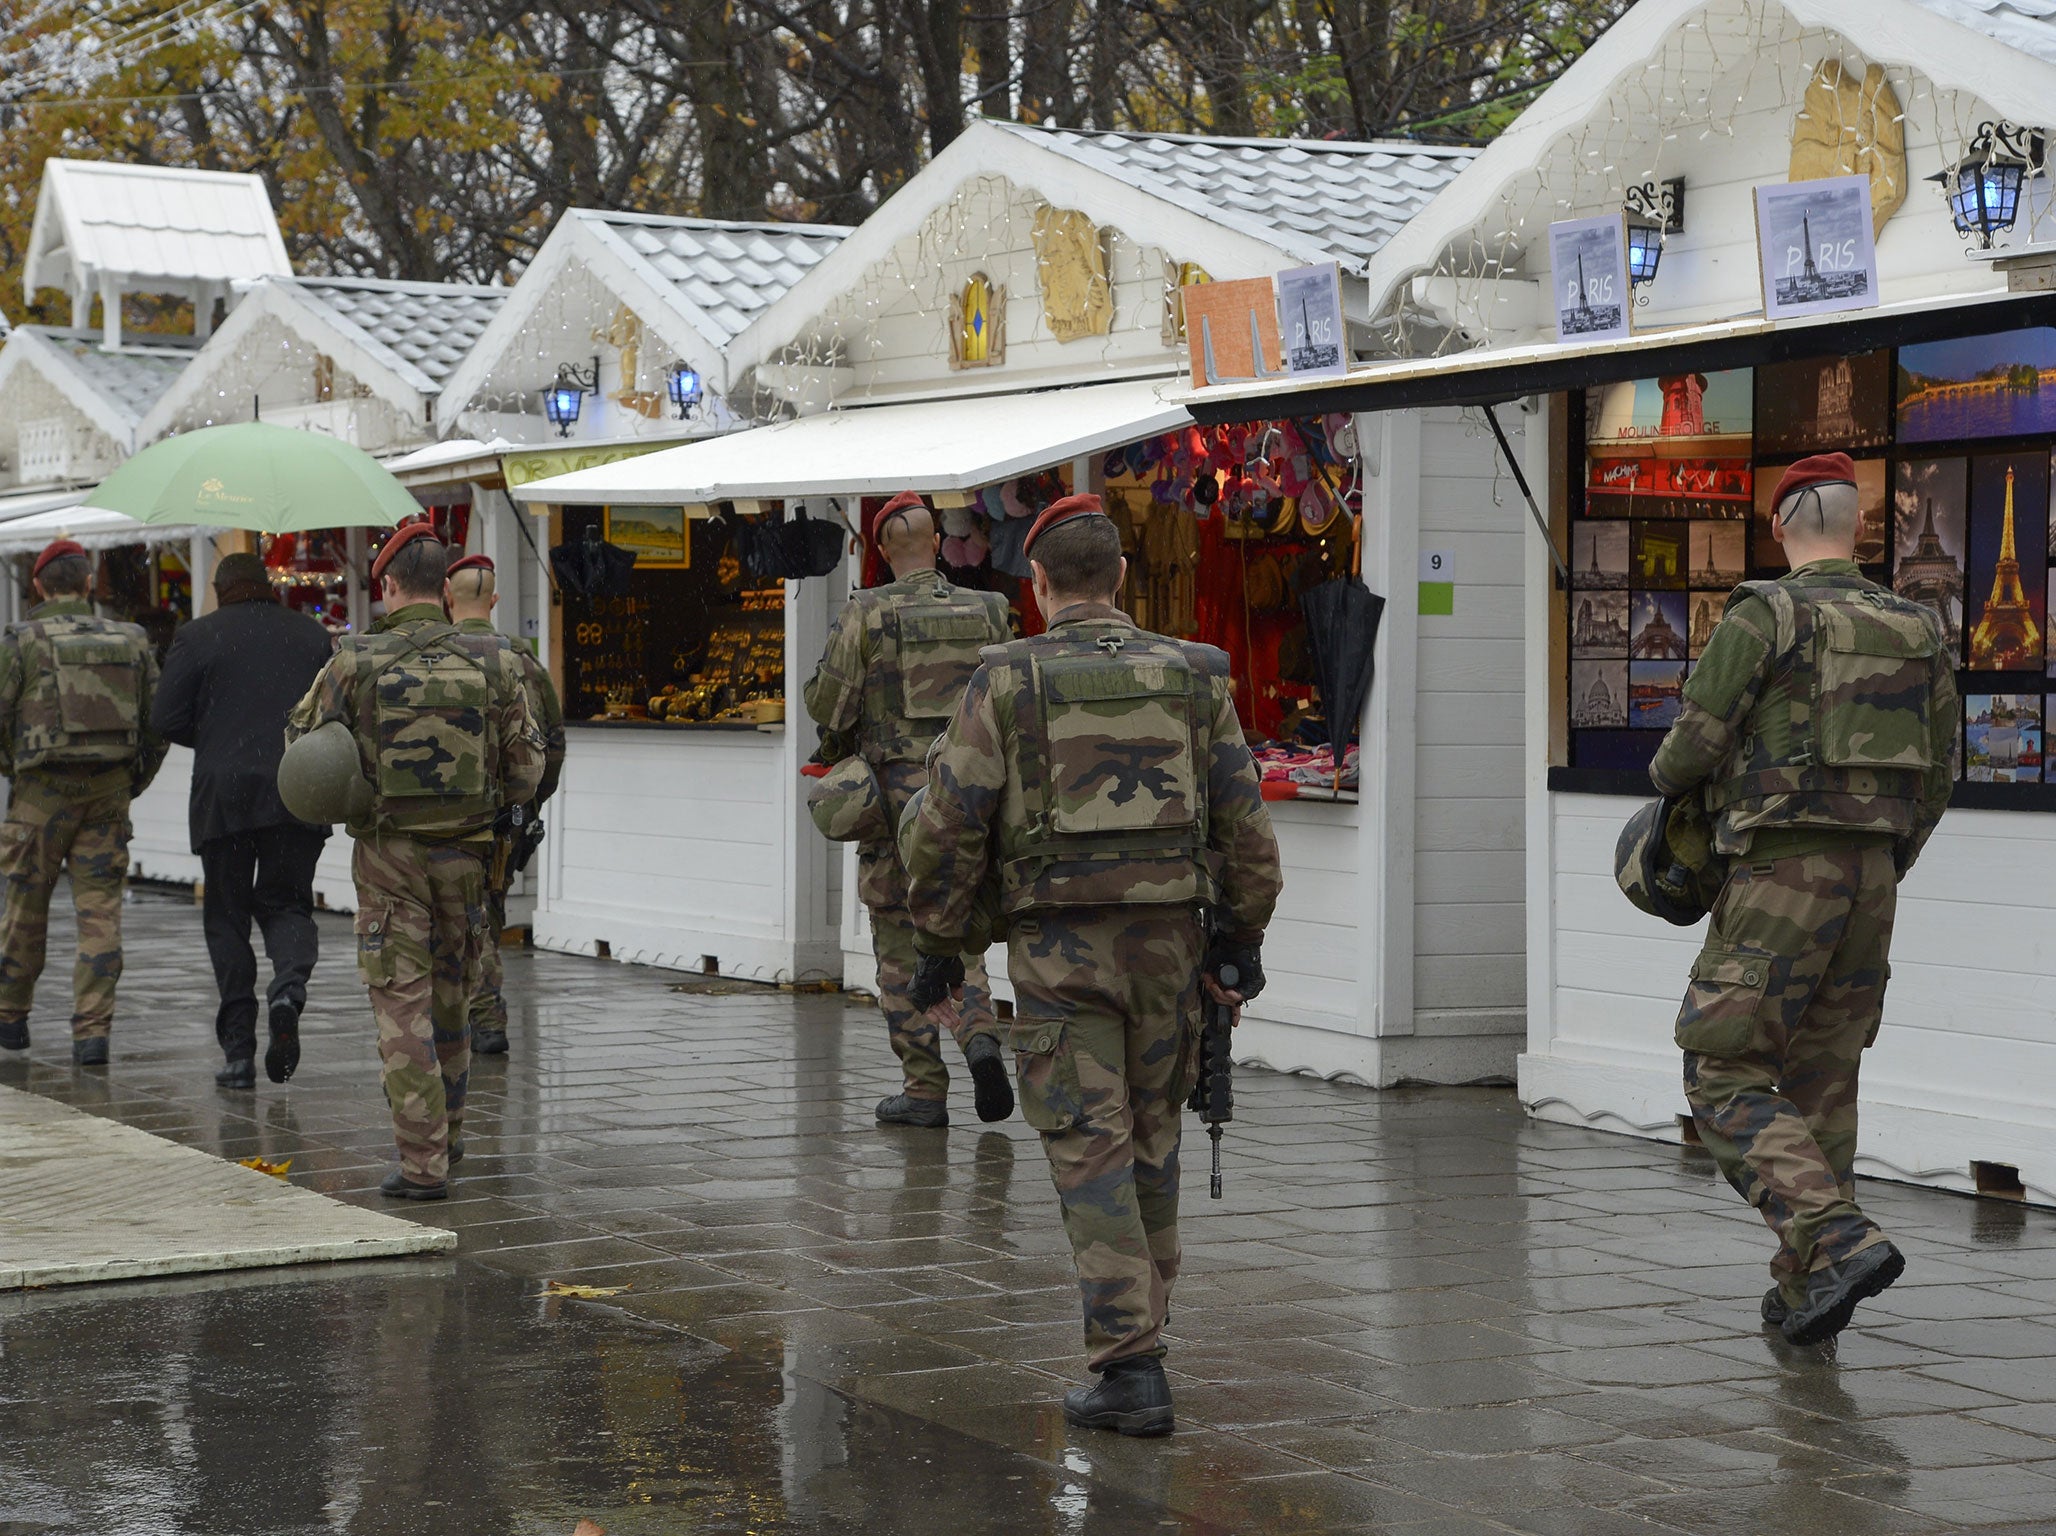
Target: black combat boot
point(1131, 1398)
point(1832, 1293)
point(397, 1186)
point(14, 1034)
point(489, 1042)
point(990, 1090)
point(282, 1056)
point(237, 1072)
point(89, 1053)
point(1774, 1308)
point(901, 1109)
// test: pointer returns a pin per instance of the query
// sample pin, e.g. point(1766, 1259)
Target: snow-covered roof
point(423, 329)
point(2029, 25)
point(149, 222)
point(1319, 199)
point(725, 271)
point(113, 390)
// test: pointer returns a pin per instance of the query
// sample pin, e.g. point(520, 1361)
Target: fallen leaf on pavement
point(276, 1170)
point(582, 1293)
point(587, 1528)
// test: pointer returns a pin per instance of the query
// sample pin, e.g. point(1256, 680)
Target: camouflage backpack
point(927, 647)
point(1113, 736)
point(82, 700)
point(1839, 736)
point(425, 720)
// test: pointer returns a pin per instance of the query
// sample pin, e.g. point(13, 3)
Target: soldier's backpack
point(82, 696)
point(1113, 737)
point(929, 646)
point(425, 712)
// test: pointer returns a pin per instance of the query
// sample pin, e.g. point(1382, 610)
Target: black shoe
point(929, 1114)
point(240, 1072)
point(488, 1042)
point(1774, 1308)
point(89, 1053)
point(282, 1056)
point(14, 1034)
point(1132, 1398)
point(990, 1090)
point(1832, 1293)
point(456, 1153)
point(397, 1186)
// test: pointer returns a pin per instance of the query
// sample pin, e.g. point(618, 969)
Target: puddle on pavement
point(433, 1397)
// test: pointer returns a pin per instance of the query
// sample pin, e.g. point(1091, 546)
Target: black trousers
point(267, 875)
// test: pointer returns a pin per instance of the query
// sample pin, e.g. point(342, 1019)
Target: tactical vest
point(1840, 735)
point(925, 646)
point(426, 697)
point(82, 693)
point(1106, 803)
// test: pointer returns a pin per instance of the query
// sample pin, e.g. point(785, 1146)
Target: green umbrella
point(255, 475)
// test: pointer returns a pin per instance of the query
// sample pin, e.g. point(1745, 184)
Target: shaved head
point(1819, 523)
point(907, 540)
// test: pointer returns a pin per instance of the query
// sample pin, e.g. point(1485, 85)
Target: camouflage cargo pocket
point(1047, 1073)
point(1119, 737)
point(1724, 1002)
point(938, 652)
point(385, 957)
point(1875, 661)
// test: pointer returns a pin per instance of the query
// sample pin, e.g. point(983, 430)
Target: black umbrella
point(592, 567)
point(1341, 629)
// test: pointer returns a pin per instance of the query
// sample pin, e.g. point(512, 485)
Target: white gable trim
point(389, 377)
point(579, 239)
point(55, 233)
point(987, 149)
point(28, 349)
point(1887, 31)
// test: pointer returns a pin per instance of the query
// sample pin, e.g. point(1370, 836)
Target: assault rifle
point(1213, 1095)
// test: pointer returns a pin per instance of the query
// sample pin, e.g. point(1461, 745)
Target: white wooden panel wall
point(1469, 911)
point(1965, 1066)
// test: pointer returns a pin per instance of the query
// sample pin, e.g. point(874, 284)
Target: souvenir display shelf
point(1952, 442)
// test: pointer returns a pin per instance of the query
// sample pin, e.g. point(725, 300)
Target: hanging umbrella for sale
point(1341, 629)
point(257, 476)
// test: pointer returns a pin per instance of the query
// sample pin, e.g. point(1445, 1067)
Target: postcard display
point(1952, 442)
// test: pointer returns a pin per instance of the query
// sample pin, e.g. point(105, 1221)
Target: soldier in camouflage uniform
point(1094, 789)
point(895, 667)
point(75, 741)
point(1817, 727)
point(471, 594)
point(444, 733)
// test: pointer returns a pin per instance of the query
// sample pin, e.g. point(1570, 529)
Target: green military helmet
point(846, 804)
point(321, 778)
point(1665, 864)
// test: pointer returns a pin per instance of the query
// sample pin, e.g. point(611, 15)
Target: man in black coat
point(227, 684)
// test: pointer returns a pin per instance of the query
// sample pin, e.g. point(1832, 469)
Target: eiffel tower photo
point(1929, 574)
point(2006, 639)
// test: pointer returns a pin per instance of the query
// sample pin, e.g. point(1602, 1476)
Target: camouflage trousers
point(915, 1039)
point(47, 832)
point(488, 1007)
point(420, 925)
point(1105, 1035)
point(1784, 998)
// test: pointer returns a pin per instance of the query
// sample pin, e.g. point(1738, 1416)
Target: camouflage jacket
point(442, 725)
point(1843, 724)
point(1095, 765)
point(890, 677)
point(75, 696)
point(544, 708)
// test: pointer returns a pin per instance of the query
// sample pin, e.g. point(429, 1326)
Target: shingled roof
point(728, 272)
point(1320, 199)
point(422, 330)
point(149, 222)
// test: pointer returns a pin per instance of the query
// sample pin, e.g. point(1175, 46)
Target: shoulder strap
point(1784, 612)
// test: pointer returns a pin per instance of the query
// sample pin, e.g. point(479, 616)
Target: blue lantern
point(1645, 252)
point(683, 386)
point(1984, 186)
point(563, 399)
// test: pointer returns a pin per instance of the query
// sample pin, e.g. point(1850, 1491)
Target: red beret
point(472, 563)
point(401, 538)
point(1821, 469)
point(56, 549)
point(905, 501)
point(1062, 512)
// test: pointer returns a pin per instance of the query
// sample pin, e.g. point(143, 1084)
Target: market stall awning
point(20, 504)
point(1491, 375)
point(90, 526)
point(928, 445)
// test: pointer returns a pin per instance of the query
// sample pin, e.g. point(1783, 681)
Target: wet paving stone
point(1415, 1312)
